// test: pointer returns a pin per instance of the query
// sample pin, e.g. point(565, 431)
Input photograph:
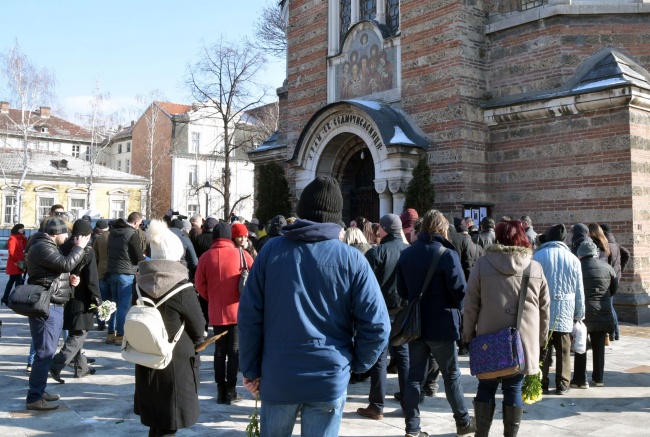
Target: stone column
point(385, 197)
point(395, 187)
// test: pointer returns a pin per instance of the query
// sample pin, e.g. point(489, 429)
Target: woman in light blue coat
point(564, 276)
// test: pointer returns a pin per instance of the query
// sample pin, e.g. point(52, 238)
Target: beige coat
point(492, 297)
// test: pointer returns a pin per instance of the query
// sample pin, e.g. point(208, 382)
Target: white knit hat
point(163, 243)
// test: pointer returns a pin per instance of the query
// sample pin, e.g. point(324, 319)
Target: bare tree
point(270, 30)
point(225, 80)
point(102, 127)
point(29, 88)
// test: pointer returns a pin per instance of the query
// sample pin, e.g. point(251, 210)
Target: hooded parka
point(168, 398)
point(492, 299)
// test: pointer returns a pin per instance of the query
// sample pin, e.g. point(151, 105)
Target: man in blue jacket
point(312, 311)
point(441, 308)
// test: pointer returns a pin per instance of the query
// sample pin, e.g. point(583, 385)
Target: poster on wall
point(483, 213)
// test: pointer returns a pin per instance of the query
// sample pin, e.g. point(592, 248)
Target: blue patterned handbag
point(501, 354)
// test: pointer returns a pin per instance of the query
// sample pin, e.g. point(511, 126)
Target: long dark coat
point(168, 398)
point(77, 314)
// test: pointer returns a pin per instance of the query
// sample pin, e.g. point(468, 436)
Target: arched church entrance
point(358, 187)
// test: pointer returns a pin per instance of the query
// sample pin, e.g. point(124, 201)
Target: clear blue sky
point(131, 46)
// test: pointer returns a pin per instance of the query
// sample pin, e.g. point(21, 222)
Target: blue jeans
point(45, 334)
point(317, 419)
point(446, 355)
point(511, 388)
point(105, 292)
point(121, 292)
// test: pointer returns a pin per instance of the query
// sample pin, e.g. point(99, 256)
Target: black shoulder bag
point(407, 324)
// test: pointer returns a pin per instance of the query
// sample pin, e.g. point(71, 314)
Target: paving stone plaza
point(102, 404)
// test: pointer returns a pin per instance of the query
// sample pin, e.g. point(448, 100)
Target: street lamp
point(206, 189)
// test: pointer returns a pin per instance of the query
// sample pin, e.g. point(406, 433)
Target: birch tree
point(225, 80)
point(27, 88)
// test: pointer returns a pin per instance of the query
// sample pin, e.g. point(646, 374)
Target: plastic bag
point(579, 338)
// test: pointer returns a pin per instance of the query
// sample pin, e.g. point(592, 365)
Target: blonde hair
point(434, 222)
point(354, 236)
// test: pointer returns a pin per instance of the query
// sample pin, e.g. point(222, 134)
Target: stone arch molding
point(394, 142)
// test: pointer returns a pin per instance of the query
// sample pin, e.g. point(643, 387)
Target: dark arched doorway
point(358, 187)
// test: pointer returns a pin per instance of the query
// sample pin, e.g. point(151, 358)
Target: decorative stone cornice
point(380, 185)
point(569, 105)
point(395, 185)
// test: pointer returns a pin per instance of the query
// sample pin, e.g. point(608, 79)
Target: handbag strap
point(243, 265)
point(164, 299)
point(522, 294)
point(432, 269)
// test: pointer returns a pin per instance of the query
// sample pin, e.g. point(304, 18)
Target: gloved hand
point(542, 353)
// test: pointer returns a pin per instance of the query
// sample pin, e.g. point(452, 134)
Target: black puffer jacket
point(383, 261)
point(600, 285)
point(77, 314)
point(619, 256)
point(202, 243)
point(46, 265)
point(124, 249)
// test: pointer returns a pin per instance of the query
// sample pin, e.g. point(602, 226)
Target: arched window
point(367, 9)
point(392, 16)
point(346, 17)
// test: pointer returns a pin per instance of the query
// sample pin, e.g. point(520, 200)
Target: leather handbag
point(243, 268)
point(500, 354)
point(31, 300)
point(407, 324)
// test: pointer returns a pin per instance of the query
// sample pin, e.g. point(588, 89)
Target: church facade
point(520, 107)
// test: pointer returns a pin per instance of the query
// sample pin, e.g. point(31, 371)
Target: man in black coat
point(486, 237)
point(189, 255)
point(618, 259)
point(125, 251)
point(383, 261)
point(48, 267)
point(273, 230)
point(203, 242)
point(78, 317)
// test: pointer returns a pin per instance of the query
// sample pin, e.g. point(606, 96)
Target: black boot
point(221, 394)
point(511, 420)
point(483, 412)
point(232, 397)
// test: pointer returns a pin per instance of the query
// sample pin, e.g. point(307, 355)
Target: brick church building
point(537, 107)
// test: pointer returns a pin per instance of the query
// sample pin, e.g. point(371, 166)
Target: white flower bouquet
point(105, 310)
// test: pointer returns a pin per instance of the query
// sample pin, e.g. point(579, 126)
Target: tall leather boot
point(483, 413)
point(511, 420)
point(222, 390)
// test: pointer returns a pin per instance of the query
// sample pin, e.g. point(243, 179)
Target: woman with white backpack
point(166, 399)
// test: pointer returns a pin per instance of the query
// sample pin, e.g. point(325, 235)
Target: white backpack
point(146, 341)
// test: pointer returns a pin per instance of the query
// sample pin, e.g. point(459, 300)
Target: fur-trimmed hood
point(508, 259)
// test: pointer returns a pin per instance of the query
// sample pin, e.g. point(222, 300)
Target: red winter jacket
point(16, 249)
point(217, 281)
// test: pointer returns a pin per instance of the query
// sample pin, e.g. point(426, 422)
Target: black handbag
point(31, 300)
point(407, 324)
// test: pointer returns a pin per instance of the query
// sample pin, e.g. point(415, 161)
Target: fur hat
point(164, 244)
point(321, 201)
point(587, 248)
point(239, 230)
point(556, 233)
point(101, 224)
point(391, 224)
point(81, 227)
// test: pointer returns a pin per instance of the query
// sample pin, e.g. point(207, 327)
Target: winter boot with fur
point(483, 413)
point(511, 420)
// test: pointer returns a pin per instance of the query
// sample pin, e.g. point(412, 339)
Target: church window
point(368, 9)
point(346, 17)
point(392, 16)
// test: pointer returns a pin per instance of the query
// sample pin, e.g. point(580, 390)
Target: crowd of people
point(304, 305)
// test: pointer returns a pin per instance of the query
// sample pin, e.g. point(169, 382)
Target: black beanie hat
point(81, 227)
point(556, 233)
point(176, 223)
point(221, 230)
point(606, 227)
point(321, 201)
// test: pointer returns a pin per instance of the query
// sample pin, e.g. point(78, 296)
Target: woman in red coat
point(217, 281)
point(16, 260)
